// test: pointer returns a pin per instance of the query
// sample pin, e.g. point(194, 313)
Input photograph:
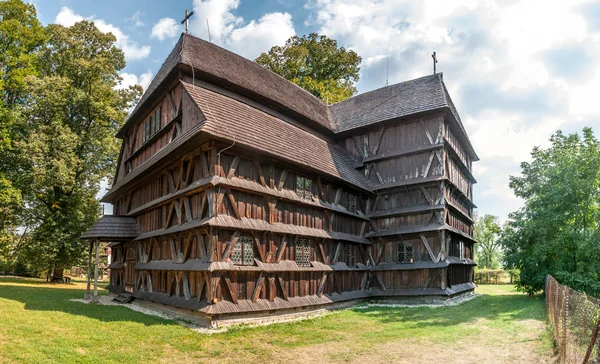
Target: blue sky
point(517, 70)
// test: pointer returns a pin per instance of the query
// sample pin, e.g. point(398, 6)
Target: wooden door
point(129, 265)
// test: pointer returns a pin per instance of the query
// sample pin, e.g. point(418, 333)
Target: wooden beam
point(323, 256)
point(230, 245)
point(96, 263)
point(187, 246)
point(230, 288)
point(380, 281)
point(88, 295)
point(320, 189)
point(201, 284)
point(378, 141)
point(338, 249)
point(428, 248)
point(281, 249)
point(259, 247)
point(363, 283)
point(338, 195)
point(257, 287)
point(272, 289)
point(234, 166)
point(236, 211)
point(202, 245)
point(188, 209)
point(173, 106)
point(426, 172)
point(282, 286)
point(204, 165)
point(282, 180)
point(359, 147)
point(322, 284)
point(258, 168)
point(186, 286)
point(427, 133)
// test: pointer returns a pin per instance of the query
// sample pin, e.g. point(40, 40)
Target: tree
point(557, 230)
point(71, 114)
point(316, 64)
point(487, 231)
point(22, 36)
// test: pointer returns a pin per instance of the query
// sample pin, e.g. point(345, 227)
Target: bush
point(493, 276)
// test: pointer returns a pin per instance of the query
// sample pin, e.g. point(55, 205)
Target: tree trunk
point(57, 273)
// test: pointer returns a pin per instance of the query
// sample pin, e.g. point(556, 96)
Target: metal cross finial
point(187, 17)
point(434, 62)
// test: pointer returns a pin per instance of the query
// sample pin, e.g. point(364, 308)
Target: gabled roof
point(390, 102)
point(231, 119)
point(402, 99)
point(227, 69)
point(219, 66)
point(113, 228)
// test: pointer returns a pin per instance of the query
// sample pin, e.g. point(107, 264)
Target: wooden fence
point(575, 321)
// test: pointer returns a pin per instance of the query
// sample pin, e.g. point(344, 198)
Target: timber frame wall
point(227, 230)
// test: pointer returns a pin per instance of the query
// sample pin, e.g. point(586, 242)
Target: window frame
point(152, 125)
point(350, 255)
point(302, 252)
point(405, 250)
point(243, 245)
point(303, 190)
point(351, 202)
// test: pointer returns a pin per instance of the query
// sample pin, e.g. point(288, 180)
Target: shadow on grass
point(39, 296)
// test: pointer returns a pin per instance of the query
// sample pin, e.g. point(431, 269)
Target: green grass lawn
point(39, 324)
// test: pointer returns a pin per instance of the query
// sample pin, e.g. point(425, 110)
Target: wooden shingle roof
point(226, 69)
point(113, 228)
point(231, 119)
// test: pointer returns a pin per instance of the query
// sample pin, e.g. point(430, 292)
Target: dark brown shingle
point(230, 119)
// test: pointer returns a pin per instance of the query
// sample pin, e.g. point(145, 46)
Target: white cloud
point(130, 79)
point(248, 39)
point(493, 55)
point(166, 28)
point(131, 49)
point(136, 18)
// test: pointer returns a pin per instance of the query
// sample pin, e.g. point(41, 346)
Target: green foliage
point(316, 64)
point(556, 231)
point(21, 37)
point(487, 231)
point(60, 111)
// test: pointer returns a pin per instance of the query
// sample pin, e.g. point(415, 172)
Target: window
point(304, 187)
point(405, 252)
point(350, 203)
point(303, 252)
point(151, 126)
point(350, 255)
point(243, 252)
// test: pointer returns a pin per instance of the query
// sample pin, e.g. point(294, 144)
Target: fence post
point(593, 343)
point(564, 323)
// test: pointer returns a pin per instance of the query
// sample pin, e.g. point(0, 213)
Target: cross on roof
point(187, 17)
point(434, 62)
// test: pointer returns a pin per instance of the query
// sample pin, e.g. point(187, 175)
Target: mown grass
point(39, 324)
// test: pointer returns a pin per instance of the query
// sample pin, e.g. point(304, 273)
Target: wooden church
point(239, 193)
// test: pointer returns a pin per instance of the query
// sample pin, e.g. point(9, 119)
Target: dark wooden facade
point(252, 201)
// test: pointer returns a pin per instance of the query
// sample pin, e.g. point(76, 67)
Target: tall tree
point(72, 113)
point(21, 38)
point(316, 64)
point(557, 230)
point(487, 231)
